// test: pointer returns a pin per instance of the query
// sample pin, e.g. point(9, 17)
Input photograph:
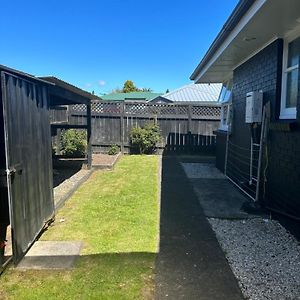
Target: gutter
point(240, 10)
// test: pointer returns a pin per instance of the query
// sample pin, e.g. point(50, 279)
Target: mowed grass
point(116, 215)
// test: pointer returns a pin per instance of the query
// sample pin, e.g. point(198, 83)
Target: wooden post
point(58, 142)
point(189, 134)
point(189, 118)
point(122, 115)
point(89, 135)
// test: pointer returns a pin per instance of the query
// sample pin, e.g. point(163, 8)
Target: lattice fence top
point(79, 107)
point(210, 111)
point(104, 107)
point(155, 109)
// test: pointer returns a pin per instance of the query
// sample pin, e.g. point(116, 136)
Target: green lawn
point(116, 215)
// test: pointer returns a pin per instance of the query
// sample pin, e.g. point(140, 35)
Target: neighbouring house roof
point(252, 25)
point(195, 93)
point(133, 96)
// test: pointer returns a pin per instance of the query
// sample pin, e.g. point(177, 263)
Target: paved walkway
point(190, 264)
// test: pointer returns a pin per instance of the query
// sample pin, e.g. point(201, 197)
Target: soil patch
point(105, 161)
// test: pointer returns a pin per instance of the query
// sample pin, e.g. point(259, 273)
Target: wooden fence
point(184, 127)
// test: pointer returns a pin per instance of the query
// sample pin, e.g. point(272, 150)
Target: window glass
point(225, 91)
point(293, 53)
point(292, 88)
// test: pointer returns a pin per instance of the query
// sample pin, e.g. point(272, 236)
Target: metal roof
point(202, 92)
point(133, 96)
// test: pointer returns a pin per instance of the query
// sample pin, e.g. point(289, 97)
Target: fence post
point(190, 118)
point(89, 134)
point(122, 115)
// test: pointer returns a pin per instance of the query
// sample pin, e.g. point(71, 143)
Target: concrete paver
point(51, 255)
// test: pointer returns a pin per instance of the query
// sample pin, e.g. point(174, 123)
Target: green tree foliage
point(74, 143)
point(129, 87)
point(144, 139)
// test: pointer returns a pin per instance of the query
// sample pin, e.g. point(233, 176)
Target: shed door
point(28, 159)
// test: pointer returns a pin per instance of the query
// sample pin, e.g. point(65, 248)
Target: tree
point(146, 90)
point(129, 87)
point(167, 91)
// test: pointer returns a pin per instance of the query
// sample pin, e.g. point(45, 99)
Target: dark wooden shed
point(64, 93)
point(25, 158)
point(26, 179)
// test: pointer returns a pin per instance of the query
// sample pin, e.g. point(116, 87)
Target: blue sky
point(97, 45)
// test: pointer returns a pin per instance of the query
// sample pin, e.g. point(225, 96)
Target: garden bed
point(105, 161)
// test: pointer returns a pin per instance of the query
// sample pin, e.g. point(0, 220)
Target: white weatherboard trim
point(291, 112)
point(273, 39)
point(243, 22)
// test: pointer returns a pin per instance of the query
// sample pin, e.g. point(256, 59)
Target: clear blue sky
point(98, 44)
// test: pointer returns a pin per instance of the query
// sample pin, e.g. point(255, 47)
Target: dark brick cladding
point(263, 72)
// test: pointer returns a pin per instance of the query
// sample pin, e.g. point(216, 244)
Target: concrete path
point(51, 255)
point(190, 264)
point(218, 197)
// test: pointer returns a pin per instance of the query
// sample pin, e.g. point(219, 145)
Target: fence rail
point(184, 127)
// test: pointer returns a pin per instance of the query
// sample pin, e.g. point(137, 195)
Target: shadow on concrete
point(218, 197)
point(190, 263)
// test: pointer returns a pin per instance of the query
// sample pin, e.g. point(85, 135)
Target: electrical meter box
point(254, 105)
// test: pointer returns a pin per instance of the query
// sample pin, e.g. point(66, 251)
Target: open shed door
point(28, 159)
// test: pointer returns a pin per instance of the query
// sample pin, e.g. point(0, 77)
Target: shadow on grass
point(98, 276)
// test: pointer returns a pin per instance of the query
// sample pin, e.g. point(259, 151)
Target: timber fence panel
point(183, 127)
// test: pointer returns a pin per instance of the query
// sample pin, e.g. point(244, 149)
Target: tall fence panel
point(183, 127)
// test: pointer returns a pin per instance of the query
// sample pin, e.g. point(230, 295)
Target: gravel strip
point(264, 257)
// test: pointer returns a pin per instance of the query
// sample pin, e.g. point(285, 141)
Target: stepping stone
point(202, 171)
point(51, 255)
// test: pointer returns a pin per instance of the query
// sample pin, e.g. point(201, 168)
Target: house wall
point(221, 137)
point(282, 157)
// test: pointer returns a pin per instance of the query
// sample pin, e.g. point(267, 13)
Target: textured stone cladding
point(280, 188)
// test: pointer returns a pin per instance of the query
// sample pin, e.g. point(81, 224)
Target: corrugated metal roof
point(202, 92)
point(133, 96)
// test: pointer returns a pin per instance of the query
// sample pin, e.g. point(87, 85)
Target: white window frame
point(290, 112)
point(226, 126)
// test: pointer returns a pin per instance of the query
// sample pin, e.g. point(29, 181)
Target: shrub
point(113, 150)
point(145, 139)
point(73, 143)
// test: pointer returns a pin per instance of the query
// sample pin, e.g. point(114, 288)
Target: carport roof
point(22, 74)
point(64, 93)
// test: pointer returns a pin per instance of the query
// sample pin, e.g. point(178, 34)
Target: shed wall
point(27, 126)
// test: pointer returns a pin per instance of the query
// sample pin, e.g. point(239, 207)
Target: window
point(226, 106)
point(290, 75)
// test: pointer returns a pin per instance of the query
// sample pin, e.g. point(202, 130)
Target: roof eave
point(240, 10)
